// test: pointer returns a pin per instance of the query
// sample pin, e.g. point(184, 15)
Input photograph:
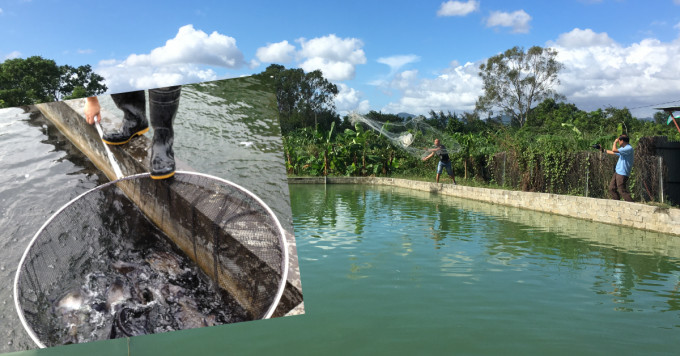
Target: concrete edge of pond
point(133, 158)
point(608, 211)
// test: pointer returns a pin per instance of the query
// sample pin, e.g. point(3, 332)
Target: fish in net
point(100, 268)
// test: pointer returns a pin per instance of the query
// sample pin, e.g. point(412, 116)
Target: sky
point(389, 56)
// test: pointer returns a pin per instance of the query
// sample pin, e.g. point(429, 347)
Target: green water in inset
point(388, 271)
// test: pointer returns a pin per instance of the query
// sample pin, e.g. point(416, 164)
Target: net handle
point(116, 168)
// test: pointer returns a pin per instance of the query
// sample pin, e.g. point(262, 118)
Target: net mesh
point(204, 252)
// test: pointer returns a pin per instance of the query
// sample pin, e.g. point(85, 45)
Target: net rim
point(282, 240)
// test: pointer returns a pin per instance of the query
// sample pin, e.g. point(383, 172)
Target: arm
point(614, 149)
point(92, 110)
point(428, 157)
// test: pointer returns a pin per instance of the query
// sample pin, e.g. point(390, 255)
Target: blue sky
point(394, 56)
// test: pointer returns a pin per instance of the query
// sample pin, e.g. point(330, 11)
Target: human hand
point(92, 110)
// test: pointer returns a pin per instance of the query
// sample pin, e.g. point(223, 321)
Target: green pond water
point(388, 271)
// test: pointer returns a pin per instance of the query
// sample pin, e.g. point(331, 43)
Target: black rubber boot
point(163, 104)
point(133, 105)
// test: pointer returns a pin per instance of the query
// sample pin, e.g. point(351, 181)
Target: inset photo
point(144, 212)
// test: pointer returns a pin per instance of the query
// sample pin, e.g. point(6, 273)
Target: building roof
point(670, 108)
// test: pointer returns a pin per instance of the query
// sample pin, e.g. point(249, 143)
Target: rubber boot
point(133, 105)
point(163, 104)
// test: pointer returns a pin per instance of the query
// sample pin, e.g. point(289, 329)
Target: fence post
point(587, 173)
point(661, 179)
point(505, 155)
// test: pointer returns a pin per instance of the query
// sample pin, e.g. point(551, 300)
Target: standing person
point(618, 185)
point(444, 160)
point(163, 105)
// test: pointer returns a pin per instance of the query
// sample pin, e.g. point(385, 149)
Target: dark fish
point(165, 262)
point(116, 294)
point(125, 267)
point(129, 322)
point(189, 316)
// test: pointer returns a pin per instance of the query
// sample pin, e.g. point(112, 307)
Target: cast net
point(413, 135)
point(193, 251)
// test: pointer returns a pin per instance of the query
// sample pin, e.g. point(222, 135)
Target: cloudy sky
point(396, 56)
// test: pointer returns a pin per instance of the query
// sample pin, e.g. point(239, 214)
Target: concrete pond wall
point(622, 213)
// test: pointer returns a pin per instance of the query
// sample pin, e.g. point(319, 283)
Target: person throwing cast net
point(444, 159)
point(163, 105)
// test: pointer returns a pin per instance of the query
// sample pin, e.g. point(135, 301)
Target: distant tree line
point(37, 80)
point(546, 146)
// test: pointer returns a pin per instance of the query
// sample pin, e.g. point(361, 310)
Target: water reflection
point(537, 266)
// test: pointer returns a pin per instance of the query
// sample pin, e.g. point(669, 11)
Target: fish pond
point(389, 271)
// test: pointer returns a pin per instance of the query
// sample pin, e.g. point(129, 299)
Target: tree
point(514, 80)
point(79, 82)
point(304, 99)
point(29, 81)
point(661, 117)
point(38, 80)
point(317, 94)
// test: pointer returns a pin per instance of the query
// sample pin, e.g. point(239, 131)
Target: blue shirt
point(625, 163)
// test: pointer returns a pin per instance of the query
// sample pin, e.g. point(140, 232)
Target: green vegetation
point(545, 148)
point(37, 80)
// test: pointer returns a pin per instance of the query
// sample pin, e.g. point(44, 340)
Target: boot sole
point(138, 133)
point(165, 176)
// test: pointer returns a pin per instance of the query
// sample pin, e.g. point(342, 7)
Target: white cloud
point(598, 72)
point(281, 52)
point(349, 99)
point(607, 73)
point(583, 38)
point(193, 46)
point(335, 57)
point(456, 89)
point(183, 59)
point(121, 77)
point(396, 62)
point(13, 55)
point(518, 20)
point(457, 8)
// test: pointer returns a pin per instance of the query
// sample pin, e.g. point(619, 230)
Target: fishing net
point(99, 268)
point(413, 135)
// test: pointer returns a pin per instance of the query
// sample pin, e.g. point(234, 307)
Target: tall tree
point(514, 80)
point(78, 82)
point(37, 80)
point(28, 81)
point(303, 98)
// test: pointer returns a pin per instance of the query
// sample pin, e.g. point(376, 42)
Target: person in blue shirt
point(618, 185)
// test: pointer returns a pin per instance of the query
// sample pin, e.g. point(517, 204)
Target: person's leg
point(163, 105)
point(133, 105)
point(613, 189)
point(449, 170)
point(622, 184)
point(440, 168)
